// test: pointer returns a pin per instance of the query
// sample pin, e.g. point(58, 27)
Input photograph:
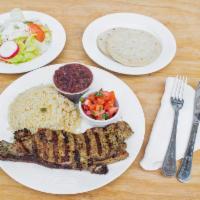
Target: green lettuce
point(28, 49)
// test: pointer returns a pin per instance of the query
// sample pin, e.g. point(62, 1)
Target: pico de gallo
point(100, 105)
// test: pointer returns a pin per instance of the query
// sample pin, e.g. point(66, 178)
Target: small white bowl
point(72, 96)
point(98, 123)
point(76, 95)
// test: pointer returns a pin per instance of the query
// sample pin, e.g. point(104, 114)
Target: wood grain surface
point(182, 17)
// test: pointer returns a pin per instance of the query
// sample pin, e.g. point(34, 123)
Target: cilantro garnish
point(99, 93)
point(105, 116)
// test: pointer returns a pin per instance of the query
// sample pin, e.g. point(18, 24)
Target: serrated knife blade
point(184, 173)
point(197, 104)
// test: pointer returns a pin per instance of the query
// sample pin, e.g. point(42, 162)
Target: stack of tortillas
point(129, 47)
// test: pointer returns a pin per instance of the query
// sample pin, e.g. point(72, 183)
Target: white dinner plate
point(54, 49)
point(134, 21)
point(65, 181)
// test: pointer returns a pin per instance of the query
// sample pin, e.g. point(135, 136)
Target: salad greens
point(31, 39)
point(28, 49)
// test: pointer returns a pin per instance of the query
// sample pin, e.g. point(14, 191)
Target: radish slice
point(8, 49)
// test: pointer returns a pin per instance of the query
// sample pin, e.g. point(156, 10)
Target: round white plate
point(54, 49)
point(64, 181)
point(134, 21)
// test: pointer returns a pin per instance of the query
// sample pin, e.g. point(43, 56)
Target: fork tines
point(178, 87)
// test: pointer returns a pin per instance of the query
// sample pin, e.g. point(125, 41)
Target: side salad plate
point(28, 40)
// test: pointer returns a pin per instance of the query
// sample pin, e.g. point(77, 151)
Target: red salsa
point(72, 78)
point(100, 105)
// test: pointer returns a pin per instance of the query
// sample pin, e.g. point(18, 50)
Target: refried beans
point(72, 78)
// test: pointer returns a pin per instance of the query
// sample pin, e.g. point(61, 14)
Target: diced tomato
point(87, 102)
point(91, 97)
point(106, 93)
point(99, 117)
point(85, 107)
point(39, 33)
point(109, 95)
point(100, 105)
point(107, 107)
point(100, 101)
point(112, 111)
point(88, 113)
point(113, 96)
point(111, 102)
point(92, 107)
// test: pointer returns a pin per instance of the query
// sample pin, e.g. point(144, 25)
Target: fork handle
point(169, 163)
point(186, 165)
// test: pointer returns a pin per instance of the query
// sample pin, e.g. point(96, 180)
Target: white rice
point(43, 107)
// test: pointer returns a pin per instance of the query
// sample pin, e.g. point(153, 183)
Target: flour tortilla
point(102, 41)
point(131, 47)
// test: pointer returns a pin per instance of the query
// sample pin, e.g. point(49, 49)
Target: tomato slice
point(39, 33)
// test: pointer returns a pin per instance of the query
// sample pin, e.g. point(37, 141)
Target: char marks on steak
point(92, 150)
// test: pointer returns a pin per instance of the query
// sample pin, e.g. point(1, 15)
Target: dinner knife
point(184, 173)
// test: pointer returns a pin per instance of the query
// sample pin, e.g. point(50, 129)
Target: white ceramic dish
point(76, 95)
point(98, 123)
point(134, 21)
point(60, 181)
point(55, 48)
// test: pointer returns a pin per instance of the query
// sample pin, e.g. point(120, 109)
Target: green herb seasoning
point(43, 110)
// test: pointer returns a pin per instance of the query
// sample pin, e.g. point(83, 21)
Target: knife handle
point(186, 165)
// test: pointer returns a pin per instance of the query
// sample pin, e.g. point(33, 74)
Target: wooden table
point(182, 17)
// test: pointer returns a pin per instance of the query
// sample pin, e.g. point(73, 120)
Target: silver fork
point(169, 163)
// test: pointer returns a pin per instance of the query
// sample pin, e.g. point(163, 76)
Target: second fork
point(169, 163)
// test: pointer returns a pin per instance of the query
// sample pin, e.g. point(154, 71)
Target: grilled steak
point(92, 150)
